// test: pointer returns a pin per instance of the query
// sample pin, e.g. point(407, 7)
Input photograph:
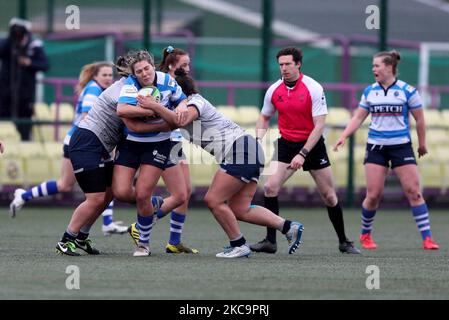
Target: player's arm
point(149, 103)
point(262, 126)
point(418, 115)
point(191, 115)
point(356, 121)
point(267, 112)
point(319, 123)
point(415, 103)
point(139, 126)
point(125, 110)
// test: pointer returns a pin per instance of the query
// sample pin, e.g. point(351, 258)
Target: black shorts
point(65, 150)
point(285, 151)
point(132, 154)
point(92, 163)
point(398, 155)
point(245, 161)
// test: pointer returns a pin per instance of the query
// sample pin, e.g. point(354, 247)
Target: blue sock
point(367, 220)
point(47, 188)
point(176, 224)
point(144, 225)
point(160, 214)
point(421, 216)
point(107, 214)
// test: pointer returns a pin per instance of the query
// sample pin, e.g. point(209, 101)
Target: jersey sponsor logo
point(386, 109)
point(129, 89)
point(323, 161)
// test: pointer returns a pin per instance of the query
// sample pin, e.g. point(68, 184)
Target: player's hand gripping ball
point(150, 92)
point(154, 92)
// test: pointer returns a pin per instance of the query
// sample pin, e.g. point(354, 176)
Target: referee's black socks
point(336, 217)
point(272, 204)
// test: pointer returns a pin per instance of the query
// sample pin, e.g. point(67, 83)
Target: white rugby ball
point(150, 91)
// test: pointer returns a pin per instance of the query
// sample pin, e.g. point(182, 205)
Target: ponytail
point(170, 56)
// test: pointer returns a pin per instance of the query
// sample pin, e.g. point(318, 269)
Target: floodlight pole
point(159, 10)
point(146, 24)
point(266, 43)
point(50, 15)
point(23, 9)
point(383, 31)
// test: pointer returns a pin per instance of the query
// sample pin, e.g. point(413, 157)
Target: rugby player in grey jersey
point(241, 159)
point(90, 153)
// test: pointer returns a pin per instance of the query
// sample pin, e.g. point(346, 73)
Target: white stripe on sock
point(175, 230)
point(107, 212)
point(44, 189)
point(421, 216)
point(424, 224)
point(176, 223)
point(424, 228)
point(35, 192)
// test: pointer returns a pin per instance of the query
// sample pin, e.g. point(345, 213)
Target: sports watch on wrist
point(304, 152)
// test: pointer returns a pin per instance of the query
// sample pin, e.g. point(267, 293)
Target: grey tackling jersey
point(212, 131)
point(103, 120)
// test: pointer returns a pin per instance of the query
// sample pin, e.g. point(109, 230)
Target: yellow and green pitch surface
point(30, 268)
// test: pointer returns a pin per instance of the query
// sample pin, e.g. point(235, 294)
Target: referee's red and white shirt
point(296, 107)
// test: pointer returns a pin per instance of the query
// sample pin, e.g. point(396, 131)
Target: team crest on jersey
point(171, 82)
point(280, 98)
point(410, 88)
point(396, 93)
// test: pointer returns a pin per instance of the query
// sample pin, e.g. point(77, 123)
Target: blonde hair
point(390, 58)
point(88, 72)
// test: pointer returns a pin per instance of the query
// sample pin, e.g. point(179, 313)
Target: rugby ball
point(150, 91)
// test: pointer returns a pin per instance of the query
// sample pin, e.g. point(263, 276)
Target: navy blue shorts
point(285, 151)
point(92, 163)
point(132, 154)
point(398, 155)
point(65, 150)
point(245, 161)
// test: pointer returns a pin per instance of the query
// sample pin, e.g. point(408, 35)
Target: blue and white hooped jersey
point(171, 96)
point(390, 112)
point(86, 101)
